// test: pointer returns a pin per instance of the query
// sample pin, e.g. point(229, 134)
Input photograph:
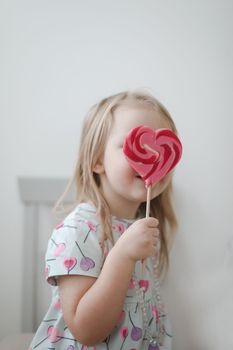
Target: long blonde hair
point(96, 129)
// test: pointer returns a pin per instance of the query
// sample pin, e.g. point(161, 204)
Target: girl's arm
point(91, 306)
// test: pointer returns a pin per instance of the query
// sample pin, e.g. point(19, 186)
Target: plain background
point(57, 59)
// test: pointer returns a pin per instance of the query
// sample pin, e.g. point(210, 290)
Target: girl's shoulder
point(83, 212)
point(74, 247)
point(81, 224)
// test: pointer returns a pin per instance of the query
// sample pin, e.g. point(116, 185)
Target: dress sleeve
point(74, 249)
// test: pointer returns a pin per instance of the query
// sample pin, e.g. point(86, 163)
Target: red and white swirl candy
point(152, 153)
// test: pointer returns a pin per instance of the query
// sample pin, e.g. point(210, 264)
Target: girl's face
point(122, 188)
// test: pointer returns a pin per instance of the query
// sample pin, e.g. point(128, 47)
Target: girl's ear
point(98, 168)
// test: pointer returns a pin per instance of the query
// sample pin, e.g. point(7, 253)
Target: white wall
point(58, 58)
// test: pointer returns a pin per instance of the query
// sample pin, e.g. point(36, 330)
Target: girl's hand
point(139, 240)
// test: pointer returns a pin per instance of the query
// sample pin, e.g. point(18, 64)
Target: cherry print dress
point(74, 249)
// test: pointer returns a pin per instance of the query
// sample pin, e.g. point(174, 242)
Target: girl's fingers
point(154, 232)
point(152, 222)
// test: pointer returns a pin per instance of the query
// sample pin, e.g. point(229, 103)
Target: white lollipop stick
point(148, 197)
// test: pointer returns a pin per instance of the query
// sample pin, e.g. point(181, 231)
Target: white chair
point(38, 196)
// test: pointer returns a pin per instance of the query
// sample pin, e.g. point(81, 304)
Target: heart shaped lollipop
point(152, 153)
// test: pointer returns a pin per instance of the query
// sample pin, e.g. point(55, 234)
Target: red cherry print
point(120, 228)
point(124, 332)
point(144, 284)
point(70, 263)
point(92, 227)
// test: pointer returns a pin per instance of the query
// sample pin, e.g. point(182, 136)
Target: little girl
point(101, 299)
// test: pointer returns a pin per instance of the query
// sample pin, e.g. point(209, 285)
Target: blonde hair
point(96, 129)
